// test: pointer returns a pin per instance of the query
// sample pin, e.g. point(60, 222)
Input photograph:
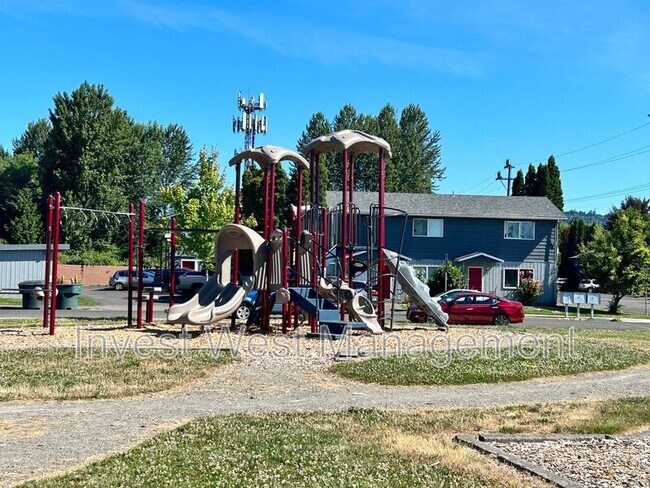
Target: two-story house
point(496, 240)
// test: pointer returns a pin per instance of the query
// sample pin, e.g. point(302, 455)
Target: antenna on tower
point(248, 121)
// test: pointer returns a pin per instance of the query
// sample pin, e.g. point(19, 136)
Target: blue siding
point(465, 236)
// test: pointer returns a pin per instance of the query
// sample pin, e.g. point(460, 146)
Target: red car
point(483, 308)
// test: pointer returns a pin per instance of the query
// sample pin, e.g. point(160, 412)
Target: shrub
point(455, 279)
point(528, 291)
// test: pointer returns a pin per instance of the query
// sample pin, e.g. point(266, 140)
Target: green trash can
point(32, 292)
point(67, 297)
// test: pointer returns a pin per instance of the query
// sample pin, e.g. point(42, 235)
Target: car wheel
point(243, 312)
point(119, 286)
point(501, 319)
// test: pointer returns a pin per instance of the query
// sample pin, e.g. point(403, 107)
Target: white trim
point(505, 230)
point(482, 275)
point(442, 227)
point(467, 257)
point(518, 269)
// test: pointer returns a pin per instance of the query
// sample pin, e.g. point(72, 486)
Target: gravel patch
point(601, 461)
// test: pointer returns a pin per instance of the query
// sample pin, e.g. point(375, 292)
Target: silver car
point(120, 279)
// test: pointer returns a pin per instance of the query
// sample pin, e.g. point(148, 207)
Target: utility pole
point(509, 167)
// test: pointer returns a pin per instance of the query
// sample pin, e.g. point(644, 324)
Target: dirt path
point(41, 438)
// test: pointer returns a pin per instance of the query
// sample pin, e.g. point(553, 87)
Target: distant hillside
point(588, 217)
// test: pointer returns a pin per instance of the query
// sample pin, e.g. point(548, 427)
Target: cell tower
point(248, 121)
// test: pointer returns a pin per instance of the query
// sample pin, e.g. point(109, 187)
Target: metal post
point(352, 239)
point(56, 229)
point(129, 282)
point(381, 238)
point(172, 262)
point(48, 257)
point(140, 260)
point(286, 317)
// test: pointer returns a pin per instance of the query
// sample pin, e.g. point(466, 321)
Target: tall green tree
point(317, 126)
point(518, 185)
point(554, 184)
point(206, 204)
point(619, 257)
point(20, 196)
point(541, 181)
point(417, 156)
point(33, 140)
point(530, 181)
point(388, 129)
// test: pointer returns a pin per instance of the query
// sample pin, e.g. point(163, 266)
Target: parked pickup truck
point(190, 281)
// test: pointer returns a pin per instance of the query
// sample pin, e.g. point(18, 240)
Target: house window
point(425, 273)
point(519, 230)
point(513, 276)
point(427, 227)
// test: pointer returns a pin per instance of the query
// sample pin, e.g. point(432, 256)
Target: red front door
point(475, 278)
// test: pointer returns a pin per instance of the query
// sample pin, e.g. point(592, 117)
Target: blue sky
point(498, 78)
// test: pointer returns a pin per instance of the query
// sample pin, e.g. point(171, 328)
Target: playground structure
point(285, 265)
point(291, 264)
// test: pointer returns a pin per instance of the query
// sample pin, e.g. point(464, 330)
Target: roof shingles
point(464, 206)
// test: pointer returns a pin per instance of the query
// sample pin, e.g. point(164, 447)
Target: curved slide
point(415, 289)
point(360, 308)
point(213, 302)
point(218, 298)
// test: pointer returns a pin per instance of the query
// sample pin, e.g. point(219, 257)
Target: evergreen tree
point(541, 181)
point(530, 184)
point(388, 129)
point(554, 184)
point(317, 126)
point(33, 140)
point(417, 156)
point(518, 185)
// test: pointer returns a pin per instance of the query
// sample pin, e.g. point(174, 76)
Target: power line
point(489, 178)
point(613, 193)
point(594, 144)
point(611, 159)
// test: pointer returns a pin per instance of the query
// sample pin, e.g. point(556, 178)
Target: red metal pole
point(314, 278)
point(56, 230)
point(48, 257)
point(130, 277)
point(172, 261)
point(299, 204)
point(286, 316)
point(313, 159)
point(150, 307)
point(344, 218)
point(383, 283)
point(140, 260)
point(351, 216)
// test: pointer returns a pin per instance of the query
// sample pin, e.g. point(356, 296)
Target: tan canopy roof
point(355, 141)
point(269, 155)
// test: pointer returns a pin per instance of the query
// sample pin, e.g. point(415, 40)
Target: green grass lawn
point(53, 374)
point(357, 447)
point(468, 366)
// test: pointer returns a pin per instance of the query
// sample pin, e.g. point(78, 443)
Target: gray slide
point(415, 289)
point(212, 303)
point(219, 298)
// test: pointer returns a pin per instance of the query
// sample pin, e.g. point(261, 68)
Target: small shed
point(22, 262)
